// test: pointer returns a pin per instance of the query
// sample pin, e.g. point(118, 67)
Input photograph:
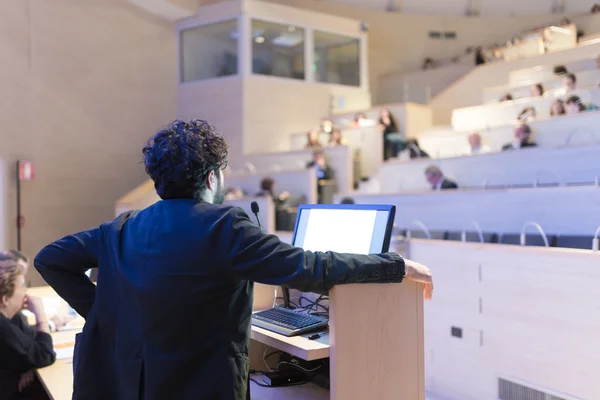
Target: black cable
point(312, 304)
point(270, 354)
point(259, 383)
point(291, 302)
point(262, 384)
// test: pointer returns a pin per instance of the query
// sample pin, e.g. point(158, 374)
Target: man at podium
point(170, 314)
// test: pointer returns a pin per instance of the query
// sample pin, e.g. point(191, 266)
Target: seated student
point(234, 193)
point(361, 121)
point(62, 317)
point(506, 97)
point(557, 108)
point(570, 85)
point(537, 90)
point(436, 178)
point(319, 163)
point(522, 138)
point(267, 188)
point(393, 143)
point(324, 171)
point(480, 56)
point(326, 125)
point(527, 115)
point(22, 348)
point(336, 139)
point(570, 82)
point(560, 70)
point(347, 200)
point(575, 106)
point(312, 140)
point(476, 146)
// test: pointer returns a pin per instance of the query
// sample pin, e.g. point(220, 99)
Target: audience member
point(560, 70)
point(476, 146)
point(324, 172)
point(267, 188)
point(22, 347)
point(319, 163)
point(361, 121)
point(557, 108)
point(595, 9)
point(527, 115)
point(480, 56)
point(335, 138)
point(522, 138)
point(234, 193)
point(347, 200)
point(62, 316)
point(506, 97)
point(537, 90)
point(326, 125)
point(437, 180)
point(428, 63)
point(570, 81)
point(574, 105)
point(312, 139)
point(393, 143)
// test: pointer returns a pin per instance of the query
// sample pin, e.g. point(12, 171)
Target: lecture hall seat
point(435, 235)
point(473, 237)
point(530, 239)
point(575, 241)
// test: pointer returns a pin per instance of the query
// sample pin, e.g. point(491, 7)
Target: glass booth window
point(337, 59)
point(209, 51)
point(277, 49)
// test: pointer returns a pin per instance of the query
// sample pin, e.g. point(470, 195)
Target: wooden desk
point(58, 377)
point(298, 346)
point(375, 344)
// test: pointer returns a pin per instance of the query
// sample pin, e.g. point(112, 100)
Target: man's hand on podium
point(419, 273)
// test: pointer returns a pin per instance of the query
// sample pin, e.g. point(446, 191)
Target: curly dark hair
point(179, 157)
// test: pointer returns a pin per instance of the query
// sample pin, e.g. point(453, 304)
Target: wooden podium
point(375, 344)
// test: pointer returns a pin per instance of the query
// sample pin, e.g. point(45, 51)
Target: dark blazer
point(170, 315)
point(22, 348)
point(448, 184)
point(329, 173)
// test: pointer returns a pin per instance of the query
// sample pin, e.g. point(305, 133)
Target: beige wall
point(84, 84)
point(220, 102)
point(400, 42)
point(516, 311)
point(275, 108)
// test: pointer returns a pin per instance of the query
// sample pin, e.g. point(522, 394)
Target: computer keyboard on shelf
point(287, 322)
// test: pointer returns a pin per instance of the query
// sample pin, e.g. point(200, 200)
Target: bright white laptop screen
point(353, 229)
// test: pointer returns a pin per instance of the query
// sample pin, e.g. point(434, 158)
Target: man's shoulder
point(219, 210)
point(191, 210)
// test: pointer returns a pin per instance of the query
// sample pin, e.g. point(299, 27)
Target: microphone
point(255, 209)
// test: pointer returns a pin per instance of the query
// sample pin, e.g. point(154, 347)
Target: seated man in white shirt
point(476, 146)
